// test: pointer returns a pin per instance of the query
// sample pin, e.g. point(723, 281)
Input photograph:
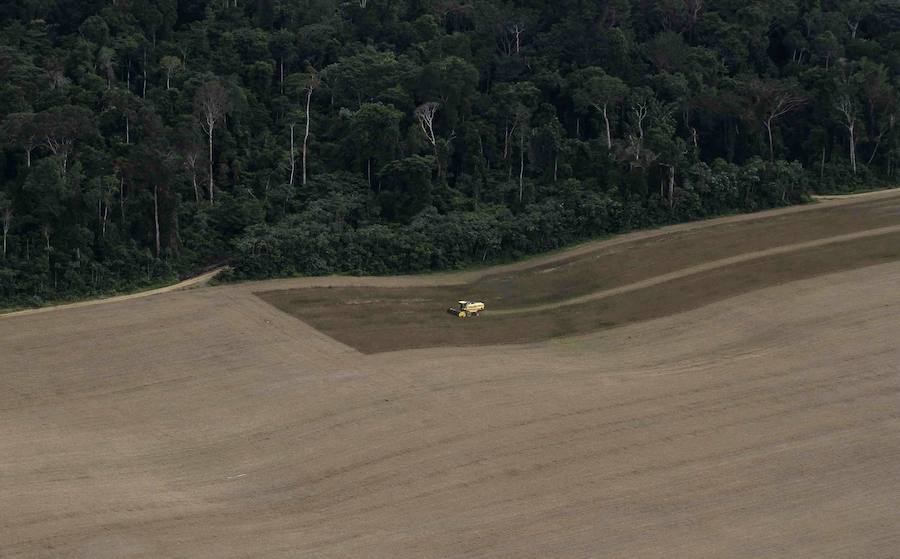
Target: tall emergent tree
point(325, 136)
point(598, 90)
point(213, 102)
point(773, 99)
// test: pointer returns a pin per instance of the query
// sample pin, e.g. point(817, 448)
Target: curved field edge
point(196, 281)
point(207, 424)
point(553, 257)
point(609, 283)
point(471, 274)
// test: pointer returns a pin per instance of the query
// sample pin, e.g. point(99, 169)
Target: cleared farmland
point(726, 389)
point(610, 285)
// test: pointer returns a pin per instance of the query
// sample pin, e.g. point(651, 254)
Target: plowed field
point(722, 389)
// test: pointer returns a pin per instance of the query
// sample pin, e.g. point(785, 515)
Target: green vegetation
point(146, 139)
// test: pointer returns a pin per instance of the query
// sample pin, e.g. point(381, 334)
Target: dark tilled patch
point(387, 319)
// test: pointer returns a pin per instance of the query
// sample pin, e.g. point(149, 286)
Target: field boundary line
point(852, 195)
point(468, 276)
point(463, 277)
point(195, 281)
point(700, 268)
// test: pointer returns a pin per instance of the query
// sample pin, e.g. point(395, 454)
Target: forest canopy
point(143, 140)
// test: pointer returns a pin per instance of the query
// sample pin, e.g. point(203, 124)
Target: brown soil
point(744, 256)
point(190, 283)
point(208, 424)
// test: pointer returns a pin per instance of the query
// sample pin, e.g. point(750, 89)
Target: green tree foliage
point(320, 136)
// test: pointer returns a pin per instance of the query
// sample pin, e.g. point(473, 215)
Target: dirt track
point(206, 423)
point(196, 281)
point(610, 283)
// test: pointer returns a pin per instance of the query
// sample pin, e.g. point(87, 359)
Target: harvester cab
point(465, 309)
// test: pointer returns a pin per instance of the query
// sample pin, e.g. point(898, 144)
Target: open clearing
point(724, 389)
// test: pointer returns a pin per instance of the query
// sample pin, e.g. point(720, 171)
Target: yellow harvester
point(467, 309)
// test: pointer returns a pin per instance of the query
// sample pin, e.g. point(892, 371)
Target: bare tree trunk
point(210, 165)
point(7, 223)
point(293, 157)
point(640, 111)
point(506, 134)
point(306, 133)
point(555, 167)
point(28, 157)
point(440, 164)
point(190, 164)
point(100, 203)
point(874, 151)
point(877, 145)
point(213, 103)
point(104, 219)
point(156, 216)
point(281, 82)
point(768, 124)
point(671, 186)
point(521, 164)
point(127, 130)
point(425, 114)
point(640, 138)
point(846, 107)
point(608, 131)
point(122, 199)
point(144, 86)
point(822, 168)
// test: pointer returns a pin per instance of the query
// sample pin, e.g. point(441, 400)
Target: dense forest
point(143, 139)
